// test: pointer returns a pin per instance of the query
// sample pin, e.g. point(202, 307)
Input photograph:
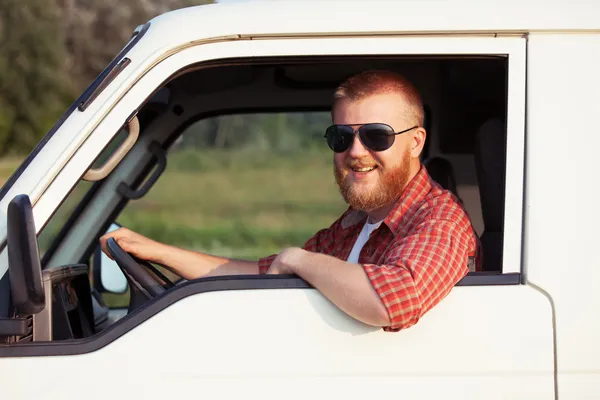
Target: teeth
point(364, 169)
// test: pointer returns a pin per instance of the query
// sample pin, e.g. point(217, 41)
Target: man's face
point(369, 180)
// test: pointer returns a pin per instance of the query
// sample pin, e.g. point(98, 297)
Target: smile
point(364, 169)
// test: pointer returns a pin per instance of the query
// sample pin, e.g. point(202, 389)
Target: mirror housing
point(108, 277)
point(24, 258)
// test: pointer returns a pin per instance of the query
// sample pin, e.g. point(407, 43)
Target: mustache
point(360, 163)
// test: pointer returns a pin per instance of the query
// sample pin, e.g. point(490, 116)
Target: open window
point(251, 163)
point(247, 180)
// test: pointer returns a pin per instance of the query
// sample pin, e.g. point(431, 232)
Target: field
point(238, 203)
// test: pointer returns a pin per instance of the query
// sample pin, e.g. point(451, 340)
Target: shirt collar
point(415, 191)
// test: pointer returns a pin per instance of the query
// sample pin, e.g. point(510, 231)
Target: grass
point(237, 204)
point(231, 203)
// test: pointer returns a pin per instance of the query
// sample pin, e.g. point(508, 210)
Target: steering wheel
point(145, 281)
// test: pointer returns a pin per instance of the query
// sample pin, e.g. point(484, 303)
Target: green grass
point(232, 203)
point(238, 204)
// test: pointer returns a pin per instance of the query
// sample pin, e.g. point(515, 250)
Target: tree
point(98, 30)
point(32, 87)
point(51, 50)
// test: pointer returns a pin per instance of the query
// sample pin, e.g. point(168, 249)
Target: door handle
point(93, 175)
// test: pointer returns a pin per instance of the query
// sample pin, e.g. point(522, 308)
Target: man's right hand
point(185, 263)
point(135, 244)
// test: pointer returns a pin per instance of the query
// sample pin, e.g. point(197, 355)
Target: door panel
point(480, 342)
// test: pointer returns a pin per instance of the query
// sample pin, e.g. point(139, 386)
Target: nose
point(357, 149)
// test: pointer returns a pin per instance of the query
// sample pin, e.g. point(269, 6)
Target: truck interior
point(56, 297)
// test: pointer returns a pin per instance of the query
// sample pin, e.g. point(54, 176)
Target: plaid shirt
point(421, 250)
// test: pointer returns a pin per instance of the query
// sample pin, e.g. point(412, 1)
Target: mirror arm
point(13, 327)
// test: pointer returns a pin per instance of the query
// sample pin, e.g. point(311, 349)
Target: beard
point(387, 189)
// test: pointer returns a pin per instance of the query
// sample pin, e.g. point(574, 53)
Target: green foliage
point(98, 30)
point(51, 50)
point(281, 132)
point(32, 87)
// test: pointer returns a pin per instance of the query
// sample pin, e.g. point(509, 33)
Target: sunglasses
point(375, 136)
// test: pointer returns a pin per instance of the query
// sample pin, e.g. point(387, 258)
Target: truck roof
point(256, 19)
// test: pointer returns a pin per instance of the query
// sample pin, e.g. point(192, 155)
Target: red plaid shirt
point(416, 256)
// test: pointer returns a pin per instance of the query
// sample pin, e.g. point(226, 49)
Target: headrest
point(442, 172)
point(490, 163)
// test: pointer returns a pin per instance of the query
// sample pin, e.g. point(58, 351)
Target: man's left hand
point(286, 261)
point(345, 284)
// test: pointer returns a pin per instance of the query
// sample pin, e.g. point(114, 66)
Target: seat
point(490, 164)
point(442, 172)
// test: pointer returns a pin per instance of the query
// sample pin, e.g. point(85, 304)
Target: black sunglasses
point(375, 136)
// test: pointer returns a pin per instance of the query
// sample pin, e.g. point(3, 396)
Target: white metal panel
point(562, 193)
point(152, 77)
point(515, 161)
point(580, 386)
point(480, 342)
point(369, 17)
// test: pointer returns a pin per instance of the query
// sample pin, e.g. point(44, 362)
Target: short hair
point(372, 82)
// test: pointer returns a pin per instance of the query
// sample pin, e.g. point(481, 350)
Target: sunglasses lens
point(339, 137)
point(377, 137)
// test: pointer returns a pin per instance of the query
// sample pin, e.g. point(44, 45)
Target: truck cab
point(510, 100)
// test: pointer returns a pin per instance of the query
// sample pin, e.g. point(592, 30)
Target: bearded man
point(402, 244)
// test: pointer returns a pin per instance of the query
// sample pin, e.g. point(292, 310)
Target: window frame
point(512, 47)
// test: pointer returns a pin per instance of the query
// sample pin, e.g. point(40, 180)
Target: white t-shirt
point(361, 240)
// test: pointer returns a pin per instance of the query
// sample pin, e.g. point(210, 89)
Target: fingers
point(131, 242)
point(103, 239)
point(118, 235)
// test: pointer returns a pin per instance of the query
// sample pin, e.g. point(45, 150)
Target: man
point(404, 241)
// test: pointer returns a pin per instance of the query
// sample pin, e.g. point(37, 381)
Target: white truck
point(512, 97)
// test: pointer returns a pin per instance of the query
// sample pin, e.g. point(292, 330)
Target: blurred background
point(51, 50)
point(213, 195)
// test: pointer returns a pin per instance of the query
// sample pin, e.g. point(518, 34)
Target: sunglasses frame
point(358, 132)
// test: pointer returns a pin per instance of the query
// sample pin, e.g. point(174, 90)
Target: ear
point(417, 142)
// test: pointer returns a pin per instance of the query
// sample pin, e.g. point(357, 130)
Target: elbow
point(379, 316)
point(383, 316)
point(373, 316)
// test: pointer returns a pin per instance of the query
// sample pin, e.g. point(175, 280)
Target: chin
point(362, 193)
point(370, 183)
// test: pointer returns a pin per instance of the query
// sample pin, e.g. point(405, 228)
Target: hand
point(133, 243)
point(287, 261)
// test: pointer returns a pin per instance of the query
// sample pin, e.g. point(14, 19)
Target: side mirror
point(24, 258)
point(24, 268)
point(108, 277)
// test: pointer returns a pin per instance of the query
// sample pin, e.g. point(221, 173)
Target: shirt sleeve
point(315, 244)
point(420, 270)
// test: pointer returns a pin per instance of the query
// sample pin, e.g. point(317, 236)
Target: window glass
point(50, 231)
point(60, 217)
point(242, 186)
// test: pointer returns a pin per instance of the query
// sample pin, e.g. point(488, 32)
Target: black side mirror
point(24, 267)
point(24, 258)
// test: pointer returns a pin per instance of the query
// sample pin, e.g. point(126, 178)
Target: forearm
point(191, 265)
point(344, 284)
